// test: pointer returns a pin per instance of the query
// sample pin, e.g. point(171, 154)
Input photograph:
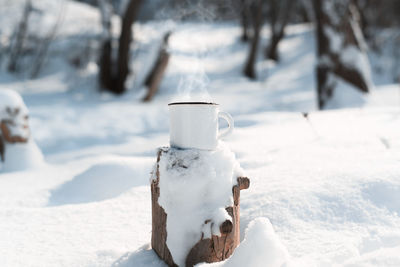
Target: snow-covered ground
point(329, 183)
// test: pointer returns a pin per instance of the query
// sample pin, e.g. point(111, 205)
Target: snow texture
point(195, 186)
point(261, 247)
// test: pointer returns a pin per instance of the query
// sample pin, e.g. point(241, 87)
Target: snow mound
point(260, 248)
point(103, 181)
point(143, 257)
point(198, 183)
point(20, 157)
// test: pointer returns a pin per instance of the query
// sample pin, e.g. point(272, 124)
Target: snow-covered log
point(17, 149)
point(194, 217)
point(341, 48)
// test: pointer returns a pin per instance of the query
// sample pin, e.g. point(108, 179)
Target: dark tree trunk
point(154, 78)
point(124, 44)
point(114, 72)
point(245, 19)
point(249, 67)
point(105, 62)
point(332, 60)
point(16, 50)
point(280, 14)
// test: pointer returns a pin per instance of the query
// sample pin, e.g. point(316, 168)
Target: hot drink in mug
point(195, 125)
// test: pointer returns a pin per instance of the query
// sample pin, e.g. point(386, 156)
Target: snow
point(261, 247)
point(198, 183)
point(21, 157)
point(329, 184)
point(10, 99)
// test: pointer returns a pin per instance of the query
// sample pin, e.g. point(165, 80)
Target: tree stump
point(214, 249)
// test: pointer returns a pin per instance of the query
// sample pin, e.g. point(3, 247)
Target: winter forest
point(235, 133)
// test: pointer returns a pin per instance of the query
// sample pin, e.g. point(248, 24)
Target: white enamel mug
point(195, 125)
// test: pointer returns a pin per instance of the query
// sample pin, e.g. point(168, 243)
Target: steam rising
point(194, 84)
point(193, 87)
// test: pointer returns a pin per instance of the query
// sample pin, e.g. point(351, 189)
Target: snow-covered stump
point(208, 231)
point(18, 151)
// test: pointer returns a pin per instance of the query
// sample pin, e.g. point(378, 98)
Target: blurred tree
point(245, 19)
point(279, 14)
point(44, 44)
point(341, 48)
point(17, 47)
point(106, 72)
point(153, 79)
point(113, 73)
point(256, 10)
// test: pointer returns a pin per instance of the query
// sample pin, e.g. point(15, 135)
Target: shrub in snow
point(17, 149)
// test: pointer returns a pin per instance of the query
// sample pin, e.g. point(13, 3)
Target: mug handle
point(229, 120)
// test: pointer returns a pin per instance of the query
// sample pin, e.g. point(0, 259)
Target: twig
point(46, 43)
point(306, 117)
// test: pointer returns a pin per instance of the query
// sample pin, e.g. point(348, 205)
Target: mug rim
point(192, 103)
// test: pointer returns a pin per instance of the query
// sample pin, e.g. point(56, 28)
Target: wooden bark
point(155, 76)
point(249, 67)
point(214, 249)
point(159, 221)
point(8, 136)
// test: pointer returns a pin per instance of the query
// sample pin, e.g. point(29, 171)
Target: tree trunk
point(114, 72)
point(341, 48)
point(245, 18)
point(249, 67)
point(106, 71)
point(124, 45)
point(155, 76)
point(280, 14)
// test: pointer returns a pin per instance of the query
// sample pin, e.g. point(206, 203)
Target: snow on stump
point(17, 149)
point(195, 205)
